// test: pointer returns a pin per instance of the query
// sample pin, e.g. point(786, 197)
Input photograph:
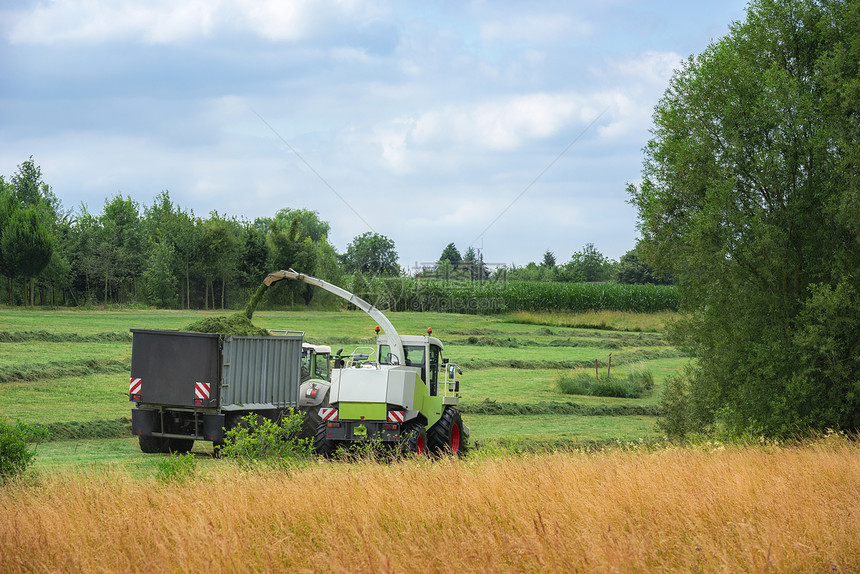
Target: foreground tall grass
point(789, 509)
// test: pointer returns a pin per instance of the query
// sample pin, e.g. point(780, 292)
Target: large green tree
point(587, 265)
point(451, 254)
point(219, 246)
point(749, 198)
point(371, 253)
point(120, 248)
point(292, 249)
point(26, 246)
point(27, 192)
point(631, 269)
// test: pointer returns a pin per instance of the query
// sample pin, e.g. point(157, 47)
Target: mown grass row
point(491, 407)
point(629, 357)
point(56, 370)
point(80, 430)
point(46, 337)
point(494, 297)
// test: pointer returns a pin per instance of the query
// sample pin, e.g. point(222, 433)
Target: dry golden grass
point(775, 509)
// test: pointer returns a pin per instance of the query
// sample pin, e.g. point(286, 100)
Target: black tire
point(231, 419)
point(152, 444)
point(413, 439)
point(310, 422)
point(322, 445)
point(179, 445)
point(446, 436)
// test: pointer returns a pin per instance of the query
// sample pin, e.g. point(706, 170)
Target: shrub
point(585, 383)
point(642, 377)
point(685, 412)
point(15, 454)
point(177, 468)
point(260, 440)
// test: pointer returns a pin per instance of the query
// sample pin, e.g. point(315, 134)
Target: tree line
point(586, 266)
point(165, 256)
point(161, 254)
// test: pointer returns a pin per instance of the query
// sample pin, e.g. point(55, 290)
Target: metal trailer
point(193, 386)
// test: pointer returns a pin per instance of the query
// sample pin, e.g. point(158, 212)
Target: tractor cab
point(316, 362)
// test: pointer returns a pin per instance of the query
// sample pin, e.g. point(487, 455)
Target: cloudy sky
point(510, 126)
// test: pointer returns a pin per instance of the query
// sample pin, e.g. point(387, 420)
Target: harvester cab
point(425, 353)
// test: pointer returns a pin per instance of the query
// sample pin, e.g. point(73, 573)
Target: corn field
point(490, 297)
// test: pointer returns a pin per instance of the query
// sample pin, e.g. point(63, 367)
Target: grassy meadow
point(557, 482)
point(69, 368)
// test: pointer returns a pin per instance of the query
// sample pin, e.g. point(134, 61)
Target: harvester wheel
point(447, 435)
point(152, 444)
point(413, 439)
point(322, 445)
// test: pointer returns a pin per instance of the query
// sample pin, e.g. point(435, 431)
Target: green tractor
point(402, 393)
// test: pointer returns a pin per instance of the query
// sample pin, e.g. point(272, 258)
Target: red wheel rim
point(455, 439)
point(419, 445)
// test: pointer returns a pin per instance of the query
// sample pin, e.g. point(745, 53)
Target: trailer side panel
point(262, 371)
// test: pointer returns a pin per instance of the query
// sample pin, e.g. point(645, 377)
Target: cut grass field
point(64, 367)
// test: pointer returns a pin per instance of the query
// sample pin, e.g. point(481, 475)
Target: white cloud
point(504, 124)
point(276, 19)
point(533, 28)
point(94, 21)
point(638, 82)
point(650, 68)
point(177, 21)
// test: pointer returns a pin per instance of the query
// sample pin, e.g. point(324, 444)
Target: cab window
point(415, 356)
point(384, 355)
point(321, 370)
point(306, 365)
point(434, 368)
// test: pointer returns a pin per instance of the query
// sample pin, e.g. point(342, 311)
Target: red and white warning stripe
point(396, 416)
point(328, 413)
point(134, 386)
point(201, 390)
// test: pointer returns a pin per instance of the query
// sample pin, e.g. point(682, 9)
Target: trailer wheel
point(179, 445)
point(413, 439)
point(231, 419)
point(323, 446)
point(152, 444)
point(447, 436)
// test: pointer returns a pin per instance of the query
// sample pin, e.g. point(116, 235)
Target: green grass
point(92, 455)
point(575, 428)
point(94, 397)
point(536, 385)
point(92, 322)
point(72, 371)
point(35, 352)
